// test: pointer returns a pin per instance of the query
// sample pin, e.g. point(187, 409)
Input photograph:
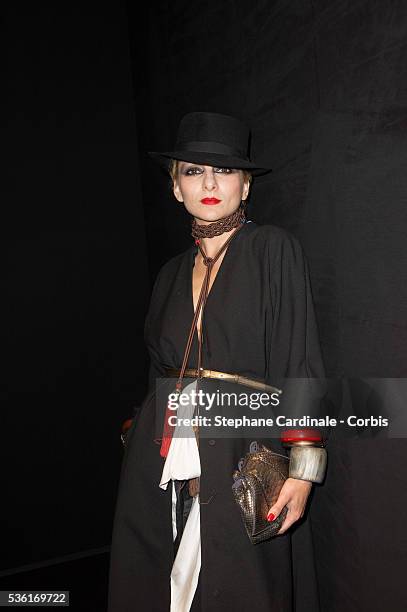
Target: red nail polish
point(270, 517)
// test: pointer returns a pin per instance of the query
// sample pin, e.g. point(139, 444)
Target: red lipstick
point(210, 201)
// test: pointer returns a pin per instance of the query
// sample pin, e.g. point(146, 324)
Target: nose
point(209, 179)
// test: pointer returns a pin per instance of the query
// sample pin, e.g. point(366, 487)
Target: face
point(209, 193)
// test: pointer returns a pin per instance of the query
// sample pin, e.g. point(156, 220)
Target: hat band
point(200, 146)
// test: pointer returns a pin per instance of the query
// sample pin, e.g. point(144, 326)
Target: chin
point(210, 213)
point(211, 217)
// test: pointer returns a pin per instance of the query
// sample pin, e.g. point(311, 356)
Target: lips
point(210, 201)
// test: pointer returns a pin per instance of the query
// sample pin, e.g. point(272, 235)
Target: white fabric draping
point(182, 463)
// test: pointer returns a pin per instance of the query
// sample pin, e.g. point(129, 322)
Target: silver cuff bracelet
point(307, 463)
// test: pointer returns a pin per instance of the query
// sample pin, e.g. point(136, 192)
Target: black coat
point(259, 321)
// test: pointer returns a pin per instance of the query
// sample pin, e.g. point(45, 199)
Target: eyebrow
point(189, 164)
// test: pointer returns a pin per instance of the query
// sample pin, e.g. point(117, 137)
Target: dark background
point(88, 219)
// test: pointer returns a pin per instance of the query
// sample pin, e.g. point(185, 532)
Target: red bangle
point(300, 435)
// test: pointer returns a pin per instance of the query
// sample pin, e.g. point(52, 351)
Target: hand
point(294, 495)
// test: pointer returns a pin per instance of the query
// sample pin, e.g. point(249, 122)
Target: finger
point(275, 510)
point(292, 517)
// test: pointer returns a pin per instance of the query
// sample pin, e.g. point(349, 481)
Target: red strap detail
point(301, 435)
point(167, 433)
point(126, 425)
point(165, 447)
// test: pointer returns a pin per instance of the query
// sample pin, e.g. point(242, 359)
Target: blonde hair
point(174, 167)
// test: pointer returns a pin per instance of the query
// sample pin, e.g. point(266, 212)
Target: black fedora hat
point(212, 139)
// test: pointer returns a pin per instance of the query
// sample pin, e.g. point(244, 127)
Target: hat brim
point(210, 159)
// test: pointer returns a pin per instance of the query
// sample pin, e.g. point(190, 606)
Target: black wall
point(75, 276)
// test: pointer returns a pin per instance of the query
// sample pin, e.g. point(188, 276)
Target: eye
point(192, 170)
point(224, 170)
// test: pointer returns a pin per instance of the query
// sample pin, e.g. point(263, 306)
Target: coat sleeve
point(294, 349)
point(155, 368)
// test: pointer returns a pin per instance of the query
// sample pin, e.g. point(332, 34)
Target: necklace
point(219, 227)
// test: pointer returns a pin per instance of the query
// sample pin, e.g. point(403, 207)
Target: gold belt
point(234, 378)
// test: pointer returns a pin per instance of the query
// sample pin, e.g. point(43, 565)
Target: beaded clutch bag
point(257, 484)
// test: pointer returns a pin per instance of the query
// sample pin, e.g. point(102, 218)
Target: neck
point(213, 235)
point(212, 245)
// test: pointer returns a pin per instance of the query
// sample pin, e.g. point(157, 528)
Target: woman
point(238, 301)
